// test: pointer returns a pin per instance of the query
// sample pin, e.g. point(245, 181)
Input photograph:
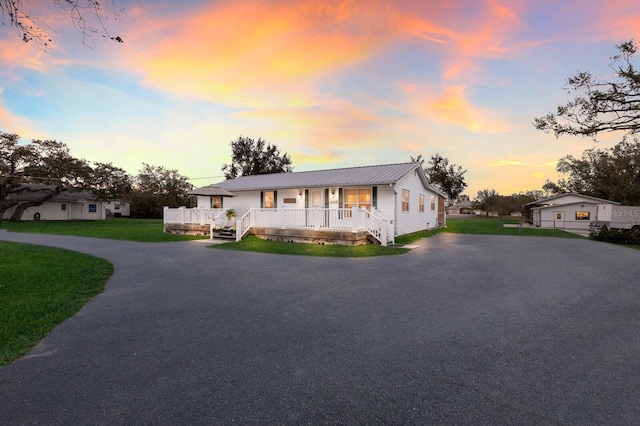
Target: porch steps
point(226, 233)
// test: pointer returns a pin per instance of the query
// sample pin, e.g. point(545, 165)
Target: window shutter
point(374, 197)
point(306, 198)
point(221, 202)
point(275, 199)
point(326, 198)
point(262, 199)
point(340, 199)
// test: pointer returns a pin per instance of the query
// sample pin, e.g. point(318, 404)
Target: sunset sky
point(332, 83)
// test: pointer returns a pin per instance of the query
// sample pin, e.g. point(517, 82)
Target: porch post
point(318, 218)
point(355, 219)
point(164, 213)
point(282, 215)
point(238, 229)
point(201, 216)
point(384, 229)
point(182, 210)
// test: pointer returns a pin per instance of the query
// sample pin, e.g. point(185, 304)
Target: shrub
point(616, 236)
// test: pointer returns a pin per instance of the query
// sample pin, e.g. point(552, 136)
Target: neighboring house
point(65, 206)
point(68, 205)
point(461, 207)
point(117, 208)
point(569, 211)
point(383, 201)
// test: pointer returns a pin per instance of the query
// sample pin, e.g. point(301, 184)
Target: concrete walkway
point(465, 329)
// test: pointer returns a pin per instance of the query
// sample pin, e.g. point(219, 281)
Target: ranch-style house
point(355, 205)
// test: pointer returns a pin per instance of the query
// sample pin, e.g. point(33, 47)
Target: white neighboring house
point(567, 211)
point(67, 205)
point(117, 208)
point(322, 201)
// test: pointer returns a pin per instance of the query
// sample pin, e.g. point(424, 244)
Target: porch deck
point(316, 226)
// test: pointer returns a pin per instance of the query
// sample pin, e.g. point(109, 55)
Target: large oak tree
point(41, 169)
point(448, 178)
point(599, 105)
point(251, 157)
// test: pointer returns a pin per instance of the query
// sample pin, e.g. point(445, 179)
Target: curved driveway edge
point(465, 329)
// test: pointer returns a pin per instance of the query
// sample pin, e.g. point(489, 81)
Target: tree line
point(38, 171)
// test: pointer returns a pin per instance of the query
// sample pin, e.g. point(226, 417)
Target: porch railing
point(316, 219)
point(198, 216)
point(329, 219)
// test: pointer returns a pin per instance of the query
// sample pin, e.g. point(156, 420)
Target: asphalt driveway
point(465, 329)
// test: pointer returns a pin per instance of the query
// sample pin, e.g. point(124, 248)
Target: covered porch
point(352, 226)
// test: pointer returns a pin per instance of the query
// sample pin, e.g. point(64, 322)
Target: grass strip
point(496, 227)
point(142, 230)
point(39, 288)
point(255, 244)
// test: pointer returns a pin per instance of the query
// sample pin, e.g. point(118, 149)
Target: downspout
point(395, 210)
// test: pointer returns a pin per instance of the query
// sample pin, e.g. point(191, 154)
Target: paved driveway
point(465, 329)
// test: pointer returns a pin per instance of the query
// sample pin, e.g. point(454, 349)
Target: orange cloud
point(453, 107)
point(262, 53)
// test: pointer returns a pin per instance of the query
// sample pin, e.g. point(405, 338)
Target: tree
point(41, 169)
point(612, 173)
point(156, 187)
point(109, 182)
point(600, 106)
point(249, 157)
point(87, 16)
point(487, 201)
point(448, 178)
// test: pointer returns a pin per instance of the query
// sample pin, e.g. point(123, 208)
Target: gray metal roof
point(548, 201)
point(37, 191)
point(351, 176)
point(211, 190)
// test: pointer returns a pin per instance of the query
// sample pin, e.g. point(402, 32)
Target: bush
point(617, 236)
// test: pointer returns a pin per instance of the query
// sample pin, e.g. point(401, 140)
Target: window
point(269, 200)
point(116, 206)
point(405, 200)
point(357, 197)
point(433, 202)
point(421, 203)
point(582, 215)
point(216, 202)
point(93, 208)
point(63, 206)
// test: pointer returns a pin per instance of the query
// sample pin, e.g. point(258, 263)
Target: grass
point(39, 288)
point(143, 230)
point(496, 227)
point(253, 243)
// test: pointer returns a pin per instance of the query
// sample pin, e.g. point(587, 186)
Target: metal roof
point(211, 190)
point(37, 191)
point(548, 201)
point(351, 176)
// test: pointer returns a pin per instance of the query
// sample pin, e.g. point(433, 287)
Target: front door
point(316, 199)
point(558, 219)
point(317, 202)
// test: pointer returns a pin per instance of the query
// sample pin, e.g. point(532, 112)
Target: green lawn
point(253, 243)
point(39, 288)
point(143, 230)
point(496, 227)
point(485, 227)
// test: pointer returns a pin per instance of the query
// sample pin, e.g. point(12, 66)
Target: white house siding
point(414, 220)
point(52, 210)
point(117, 207)
point(548, 215)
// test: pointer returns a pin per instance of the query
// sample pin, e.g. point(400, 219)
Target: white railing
point(184, 215)
point(378, 226)
point(352, 219)
point(317, 219)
